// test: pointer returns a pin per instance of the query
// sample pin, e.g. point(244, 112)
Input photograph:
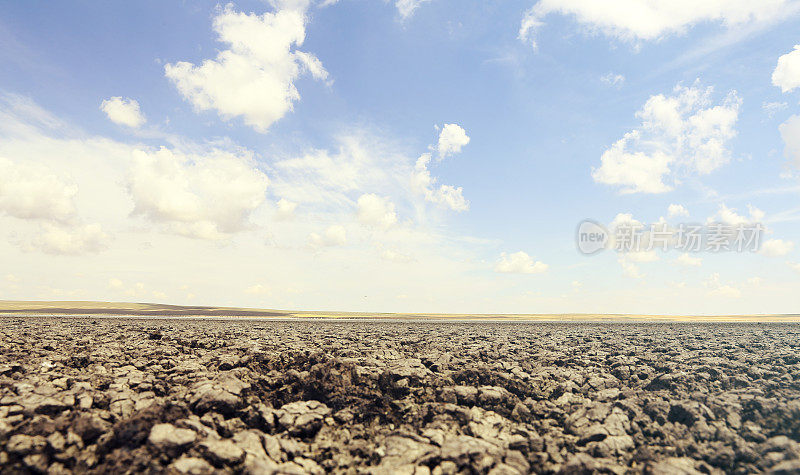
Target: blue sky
point(425, 156)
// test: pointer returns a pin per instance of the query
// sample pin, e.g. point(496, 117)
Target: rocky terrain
point(235, 396)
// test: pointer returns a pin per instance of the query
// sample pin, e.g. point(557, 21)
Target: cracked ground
point(127, 395)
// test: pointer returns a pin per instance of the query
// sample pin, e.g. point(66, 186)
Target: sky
point(399, 156)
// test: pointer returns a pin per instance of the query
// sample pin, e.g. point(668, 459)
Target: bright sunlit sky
point(399, 156)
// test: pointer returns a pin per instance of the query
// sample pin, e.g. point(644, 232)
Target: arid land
point(85, 394)
point(86, 308)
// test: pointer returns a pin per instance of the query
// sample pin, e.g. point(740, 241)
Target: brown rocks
point(236, 396)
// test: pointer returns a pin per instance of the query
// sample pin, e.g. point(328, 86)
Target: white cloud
point(787, 72)
point(335, 179)
point(254, 77)
point(123, 111)
point(688, 261)
point(731, 217)
point(376, 210)
point(772, 108)
point(677, 210)
point(406, 8)
point(334, 235)
point(71, 240)
point(682, 134)
point(446, 195)
point(776, 247)
point(519, 263)
point(32, 191)
point(794, 265)
point(396, 256)
point(644, 20)
point(641, 256)
point(790, 132)
point(451, 139)
point(613, 80)
point(203, 196)
point(285, 210)
point(719, 289)
point(629, 269)
point(258, 289)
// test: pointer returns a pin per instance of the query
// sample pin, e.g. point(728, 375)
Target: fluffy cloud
point(635, 20)
point(207, 196)
point(396, 256)
point(677, 210)
point(794, 265)
point(123, 111)
point(334, 235)
point(258, 289)
point(688, 261)
point(681, 134)
point(519, 263)
point(790, 132)
point(406, 8)
point(446, 195)
point(376, 210)
point(451, 139)
point(731, 217)
point(71, 240)
point(776, 247)
point(719, 289)
point(629, 269)
point(787, 72)
point(254, 77)
point(285, 210)
point(31, 191)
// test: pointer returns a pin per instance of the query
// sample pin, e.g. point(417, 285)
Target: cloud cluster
point(123, 111)
point(731, 217)
point(254, 78)
point(519, 263)
point(790, 133)
point(787, 76)
point(451, 139)
point(677, 210)
point(334, 235)
point(776, 247)
point(644, 20)
point(75, 240)
point(376, 210)
point(446, 195)
point(203, 196)
point(684, 133)
point(718, 288)
point(406, 8)
point(787, 72)
point(31, 191)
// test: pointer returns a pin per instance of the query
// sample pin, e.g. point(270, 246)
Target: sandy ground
point(89, 308)
point(245, 396)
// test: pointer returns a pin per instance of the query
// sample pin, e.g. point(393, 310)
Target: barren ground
point(196, 396)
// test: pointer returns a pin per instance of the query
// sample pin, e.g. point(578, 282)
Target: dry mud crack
point(98, 395)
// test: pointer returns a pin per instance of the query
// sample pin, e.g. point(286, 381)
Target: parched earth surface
point(204, 396)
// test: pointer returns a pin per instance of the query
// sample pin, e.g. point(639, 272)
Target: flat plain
point(123, 395)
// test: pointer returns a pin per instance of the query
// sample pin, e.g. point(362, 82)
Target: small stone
point(191, 466)
point(168, 437)
point(221, 452)
point(21, 444)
